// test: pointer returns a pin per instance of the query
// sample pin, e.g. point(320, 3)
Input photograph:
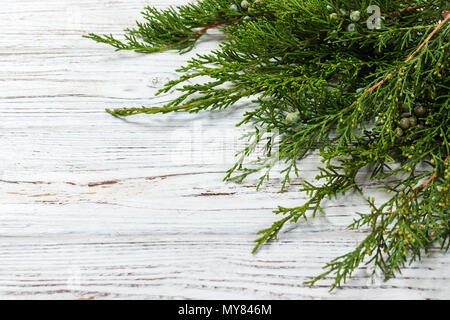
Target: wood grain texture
point(96, 207)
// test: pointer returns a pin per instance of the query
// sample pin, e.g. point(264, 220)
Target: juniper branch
point(372, 98)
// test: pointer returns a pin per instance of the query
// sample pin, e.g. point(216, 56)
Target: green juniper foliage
point(367, 87)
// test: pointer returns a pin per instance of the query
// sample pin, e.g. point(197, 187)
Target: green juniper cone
point(364, 82)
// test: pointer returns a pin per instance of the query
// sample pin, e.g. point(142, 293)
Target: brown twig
point(447, 17)
point(400, 13)
point(169, 46)
point(403, 11)
point(422, 186)
point(215, 25)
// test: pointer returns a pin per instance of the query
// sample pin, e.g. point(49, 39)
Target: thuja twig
point(422, 187)
point(403, 11)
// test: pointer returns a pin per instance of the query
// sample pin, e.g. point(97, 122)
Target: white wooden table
point(96, 207)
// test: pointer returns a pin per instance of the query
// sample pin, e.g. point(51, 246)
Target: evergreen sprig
point(367, 96)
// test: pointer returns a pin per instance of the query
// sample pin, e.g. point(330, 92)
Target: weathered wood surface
point(95, 207)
